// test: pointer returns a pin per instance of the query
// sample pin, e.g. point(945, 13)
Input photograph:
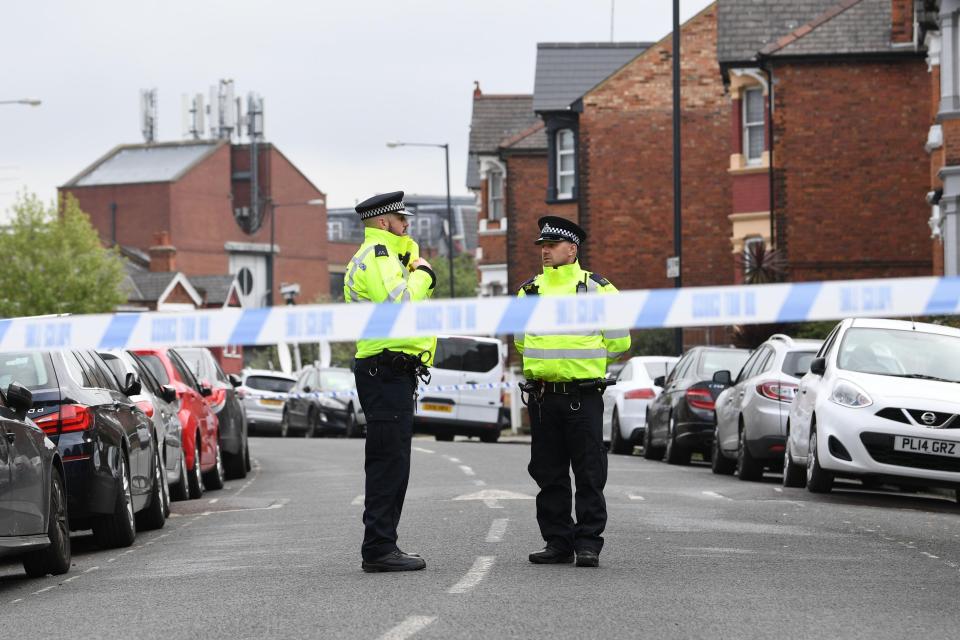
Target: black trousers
point(386, 396)
point(564, 437)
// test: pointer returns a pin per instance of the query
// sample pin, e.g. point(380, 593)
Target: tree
point(54, 262)
point(465, 273)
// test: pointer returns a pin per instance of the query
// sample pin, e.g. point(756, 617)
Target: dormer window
point(753, 125)
point(566, 164)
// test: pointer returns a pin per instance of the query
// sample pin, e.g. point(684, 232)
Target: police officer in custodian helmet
point(565, 377)
point(387, 269)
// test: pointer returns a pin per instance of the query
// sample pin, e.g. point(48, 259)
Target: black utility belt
point(569, 387)
point(399, 362)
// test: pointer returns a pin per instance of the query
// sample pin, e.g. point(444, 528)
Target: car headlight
point(847, 394)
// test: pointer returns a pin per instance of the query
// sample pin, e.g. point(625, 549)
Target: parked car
point(880, 403)
point(467, 412)
point(234, 445)
point(33, 495)
point(203, 463)
point(159, 402)
point(681, 419)
point(625, 403)
point(107, 443)
point(752, 413)
point(323, 401)
point(263, 393)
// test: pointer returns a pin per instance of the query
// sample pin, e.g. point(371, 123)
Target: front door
point(251, 272)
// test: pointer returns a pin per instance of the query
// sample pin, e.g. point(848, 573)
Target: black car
point(107, 443)
point(33, 496)
point(681, 419)
point(334, 410)
point(226, 405)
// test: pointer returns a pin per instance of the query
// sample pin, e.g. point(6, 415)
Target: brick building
point(199, 193)
point(850, 112)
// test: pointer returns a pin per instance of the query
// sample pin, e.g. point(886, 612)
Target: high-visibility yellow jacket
point(378, 273)
point(561, 357)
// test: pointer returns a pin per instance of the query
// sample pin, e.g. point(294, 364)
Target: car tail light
point(779, 391)
point(700, 399)
point(639, 394)
point(147, 407)
point(71, 417)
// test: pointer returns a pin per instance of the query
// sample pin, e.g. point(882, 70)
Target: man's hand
point(419, 262)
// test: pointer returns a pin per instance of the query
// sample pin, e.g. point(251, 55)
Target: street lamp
point(446, 154)
point(273, 214)
point(33, 102)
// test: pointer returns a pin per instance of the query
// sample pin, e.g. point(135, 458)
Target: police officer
point(565, 375)
point(387, 268)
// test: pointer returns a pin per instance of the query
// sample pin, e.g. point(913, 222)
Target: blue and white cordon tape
point(352, 393)
point(644, 309)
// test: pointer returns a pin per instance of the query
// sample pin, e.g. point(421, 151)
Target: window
point(797, 363)
point(269, 383)
point(748, 367)
point(186, 376)
point(32, 370)
point(753, 133)
point(465, 354)
point(103, 371)
point(334, 230)
point(424, 227)
point(116, 366)
point(76, 371)
point(566, 163)
point(495, 195)
point(156, 367)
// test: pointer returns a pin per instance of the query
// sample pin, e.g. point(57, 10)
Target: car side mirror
point(234, 379)
point(168, 393)
point(20, 399)
point(659, 380)
point(131, 386)
point(205, 389)
point(723, 377)
point(307, 389)
point(818, 366)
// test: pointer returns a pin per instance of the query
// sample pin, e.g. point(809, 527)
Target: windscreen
point(459, 354)
point(30, 369)
point(903, 353)
point(269, 383)
point(657, 369)
point(797, 363)
point(336, 380)
point(716, 360)
point(156, 367)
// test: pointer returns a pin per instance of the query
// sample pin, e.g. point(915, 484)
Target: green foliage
point(652, 342)
point(465, 281)
point(54, 262)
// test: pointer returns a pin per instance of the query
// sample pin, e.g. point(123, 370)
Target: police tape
point(641, 309)
point(352, 393)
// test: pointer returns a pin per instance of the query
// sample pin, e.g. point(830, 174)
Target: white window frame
point(495, 196)
point(334, 230)
point(427, 223)
point(748, 126)
point(561, 174)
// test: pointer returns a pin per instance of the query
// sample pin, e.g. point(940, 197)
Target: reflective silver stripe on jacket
point(588, 333)
point(616, 334)
point(399, 292)
point(615, 354)
point(357, 263)
point(564, 354)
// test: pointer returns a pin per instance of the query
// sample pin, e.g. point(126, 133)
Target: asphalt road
point(688, 554)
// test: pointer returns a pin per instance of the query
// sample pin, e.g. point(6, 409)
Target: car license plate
point(272, 402)
point(926, 445)
point(442, 408)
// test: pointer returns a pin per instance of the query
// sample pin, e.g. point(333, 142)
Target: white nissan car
point(881, 403)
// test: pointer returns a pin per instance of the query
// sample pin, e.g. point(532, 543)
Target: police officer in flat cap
point(387, 269)
point(565, 376)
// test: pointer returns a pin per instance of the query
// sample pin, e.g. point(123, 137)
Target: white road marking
point(422, 450)
point(44, 589)
point(452, 459)
point(277, 505)
point(635, 497)
point(930, 555)
point(409, 627)
point(778, 489)
point(112, 560)
point(497, 529)
point(91, 569)
point(16, 601)
point(714, 494)
point(477, 572)
point(215, 501)
point(490, 497)
point(256, 474)
point(358, 500)
point(480, 483)
point(71, 579)
point(493, 503)
point(467, 470)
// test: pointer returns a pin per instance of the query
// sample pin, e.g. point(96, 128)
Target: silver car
point(263, 393)
point(752, 413)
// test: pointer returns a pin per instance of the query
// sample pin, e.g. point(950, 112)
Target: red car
point(202, 466)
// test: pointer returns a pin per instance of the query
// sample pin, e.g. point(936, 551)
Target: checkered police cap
point(384, 203)
point(556, 229)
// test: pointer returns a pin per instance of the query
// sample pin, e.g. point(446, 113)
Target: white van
point(461, 360)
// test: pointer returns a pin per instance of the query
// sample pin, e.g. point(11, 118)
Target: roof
point(848, 27)
point(216, 289)
point(744, 27)
point(139, 163)
point(567, 71)
point(495, 118)
point(531, 139)
point(150, 285)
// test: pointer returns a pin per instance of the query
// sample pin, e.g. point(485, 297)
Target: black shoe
point(409, 555)
point(549, 555)
point(394, 561)
point(588, 559)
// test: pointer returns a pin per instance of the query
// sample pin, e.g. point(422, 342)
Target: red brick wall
point(851, 171)
point(626, 151)
point(751, 192)
point(936, 163)
point(525, 192)
point(901, 18)
point(494, 249)
point(142, 210)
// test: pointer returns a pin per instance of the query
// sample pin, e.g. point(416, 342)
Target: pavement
point(687, 554)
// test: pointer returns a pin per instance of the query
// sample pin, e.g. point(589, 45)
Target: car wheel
point(649, 451)
point(195, 478)
point(181, 490)
point(54, 559)
point(353, 429)
point(720, 464)
point(311, 429)
point(284, 425)
point(675, 453)
point(215, 477)
point(747, 466)
point(153, 516)
point(793, 474)
point(444, 437)
point(491, 437)
point(818, 480)
point(118, 529)
point(235, 464)
point(617, 444)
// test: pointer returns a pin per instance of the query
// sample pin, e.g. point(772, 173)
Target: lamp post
point(270, 260)
point(33, 102)
point(446, 156)
point(677, 229)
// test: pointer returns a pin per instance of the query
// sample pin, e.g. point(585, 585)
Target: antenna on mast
point(148, 114)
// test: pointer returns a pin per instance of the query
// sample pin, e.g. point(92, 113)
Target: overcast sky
point(340, 78)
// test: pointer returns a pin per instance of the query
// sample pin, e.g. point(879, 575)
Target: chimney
point(163, 256)
point(901, 21)
point(476, 89)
